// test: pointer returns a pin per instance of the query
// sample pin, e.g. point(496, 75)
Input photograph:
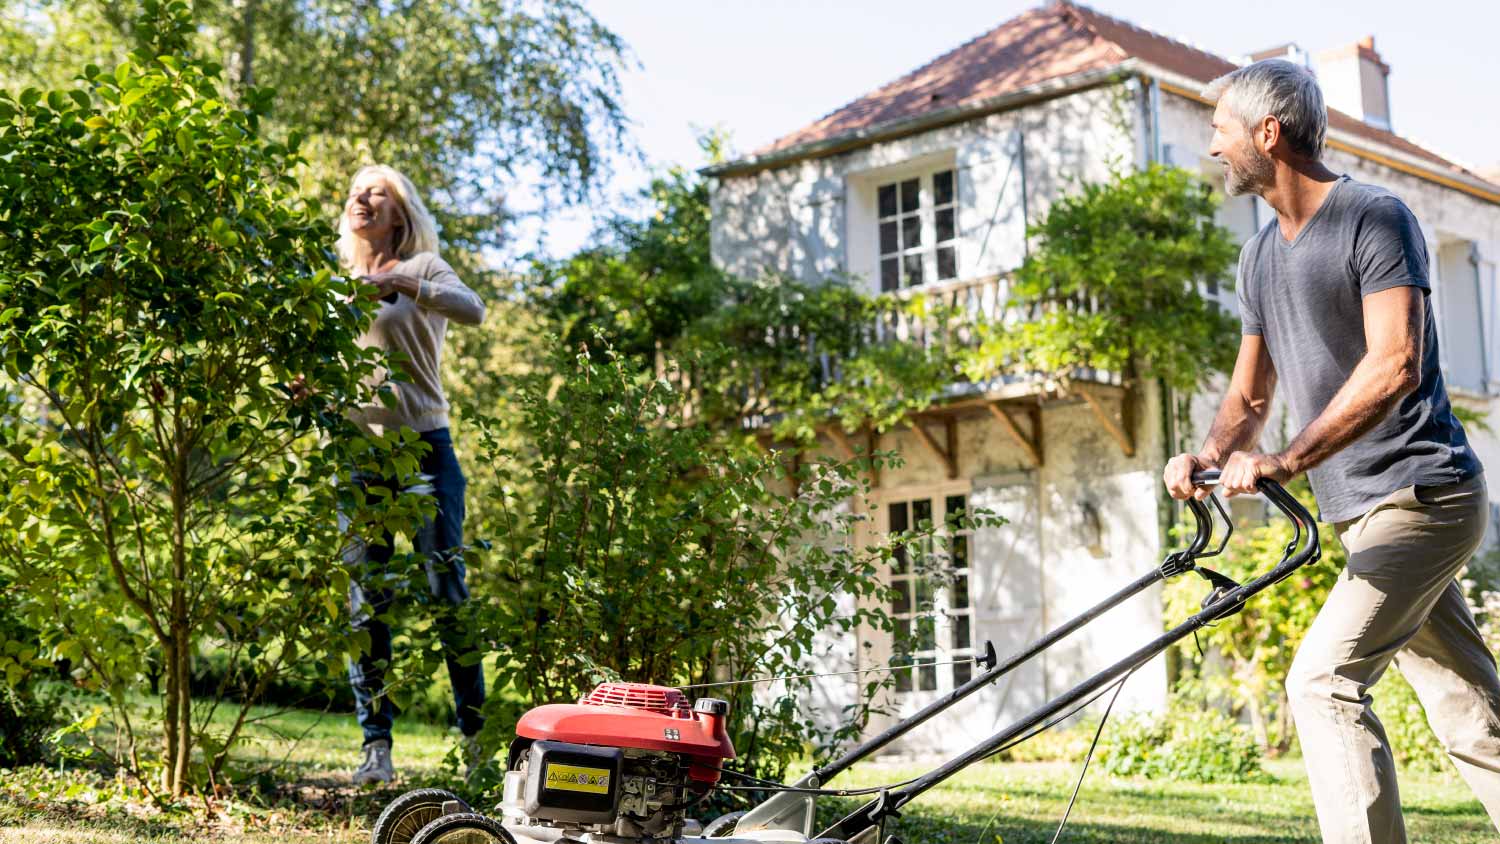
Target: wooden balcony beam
point(948, 455)
point(1032, 445)
point(841, 440)
point(1123, 430)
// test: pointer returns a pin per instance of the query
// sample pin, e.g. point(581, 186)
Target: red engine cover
point(638, 716)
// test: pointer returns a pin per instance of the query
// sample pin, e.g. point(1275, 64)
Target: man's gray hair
point(1281, 89)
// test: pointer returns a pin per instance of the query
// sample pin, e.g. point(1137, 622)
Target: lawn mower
point(629, 762)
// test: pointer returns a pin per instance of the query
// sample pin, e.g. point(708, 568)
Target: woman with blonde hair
point(388, 239)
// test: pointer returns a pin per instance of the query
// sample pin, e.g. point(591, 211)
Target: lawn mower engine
point(627, 761)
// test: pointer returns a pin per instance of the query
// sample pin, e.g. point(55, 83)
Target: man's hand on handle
point(1243, 468)
point(1178, 476)
point(1237, 475)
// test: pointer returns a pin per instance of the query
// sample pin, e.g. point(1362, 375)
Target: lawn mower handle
point(778, 809)
point(1302, 550)
point(996, 669)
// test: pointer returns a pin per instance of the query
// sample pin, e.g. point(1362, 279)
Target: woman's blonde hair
point(416, 233)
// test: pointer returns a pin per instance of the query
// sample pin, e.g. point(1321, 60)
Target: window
point(931, 610)
point(918, 220)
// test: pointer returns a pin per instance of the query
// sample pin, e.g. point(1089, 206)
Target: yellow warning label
point(573, 778)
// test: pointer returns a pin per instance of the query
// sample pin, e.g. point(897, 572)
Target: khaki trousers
point(1397, 600)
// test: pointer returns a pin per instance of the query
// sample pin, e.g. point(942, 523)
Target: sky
point(759, 69)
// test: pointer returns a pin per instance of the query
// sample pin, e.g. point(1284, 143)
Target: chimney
point(1290, 51)
point(1353, 79)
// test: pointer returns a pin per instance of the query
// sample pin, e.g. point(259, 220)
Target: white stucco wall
point(815, 219)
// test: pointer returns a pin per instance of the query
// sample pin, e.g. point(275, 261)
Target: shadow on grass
point(19, 814)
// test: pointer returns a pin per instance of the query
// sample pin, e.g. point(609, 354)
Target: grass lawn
point(294, 790)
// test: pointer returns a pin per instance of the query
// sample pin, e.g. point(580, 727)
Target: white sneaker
point(377, 766)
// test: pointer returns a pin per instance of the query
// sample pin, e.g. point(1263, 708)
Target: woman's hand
point(299, 389)
point(386, 285)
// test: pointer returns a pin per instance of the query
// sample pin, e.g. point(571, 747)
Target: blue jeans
point(440, 540)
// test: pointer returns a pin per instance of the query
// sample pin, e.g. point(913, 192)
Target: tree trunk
point(170, 737)
point(183, 709)
point(247, 44)
point(178, 709)
point(177, 706)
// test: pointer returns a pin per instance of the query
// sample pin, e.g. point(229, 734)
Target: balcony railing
point(952, 319)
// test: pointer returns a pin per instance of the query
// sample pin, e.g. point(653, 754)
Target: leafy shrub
point(28, 711)
point(1060, 744)
point(1248, 654)
point(629, 545)
point(1197, 745)
point(1412, 741)
point(28, 717)
point(1251, 652)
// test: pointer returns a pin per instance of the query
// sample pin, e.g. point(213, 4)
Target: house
point(927, 184)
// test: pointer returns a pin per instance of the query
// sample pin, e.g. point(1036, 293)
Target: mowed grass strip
point(1021, 803)
point(300, 761)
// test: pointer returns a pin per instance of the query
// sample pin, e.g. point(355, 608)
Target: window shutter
point(1462, 316)
point(991, 207)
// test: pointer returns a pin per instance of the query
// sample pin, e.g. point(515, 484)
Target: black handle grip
point(1306, 538)
point(1206, 477)
point(1205, 531)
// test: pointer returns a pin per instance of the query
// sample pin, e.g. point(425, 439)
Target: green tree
point(161, 285)
point(462, 96)
point(1113, 284)
point(646, 280)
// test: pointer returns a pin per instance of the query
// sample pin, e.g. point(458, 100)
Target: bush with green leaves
point(1113, 283)
point(1185, 743)
point(161, 284)
point(627, 545)
point(29, 710)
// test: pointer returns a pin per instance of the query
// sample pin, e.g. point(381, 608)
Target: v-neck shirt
point(1305, 298)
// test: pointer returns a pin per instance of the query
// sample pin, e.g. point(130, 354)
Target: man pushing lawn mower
point(1334, 300)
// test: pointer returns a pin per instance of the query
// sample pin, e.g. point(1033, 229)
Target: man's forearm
point(1373, 389)
point(1236, 427)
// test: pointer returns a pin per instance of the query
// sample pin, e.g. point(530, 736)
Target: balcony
point(951, 317)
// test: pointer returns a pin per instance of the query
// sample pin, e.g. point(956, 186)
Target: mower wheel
point(407, 814)
point(721, 826)
point(464, 828)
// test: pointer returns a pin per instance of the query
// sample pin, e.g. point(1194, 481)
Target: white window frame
point(940, 668)
point(925, 214)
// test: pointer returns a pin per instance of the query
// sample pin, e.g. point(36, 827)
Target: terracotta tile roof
point(1052, 42)
point(1036, 46)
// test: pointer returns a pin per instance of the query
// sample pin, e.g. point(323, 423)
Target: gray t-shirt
point(1304, 298)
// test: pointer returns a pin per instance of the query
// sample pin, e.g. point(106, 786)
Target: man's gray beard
point(1258, 173)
